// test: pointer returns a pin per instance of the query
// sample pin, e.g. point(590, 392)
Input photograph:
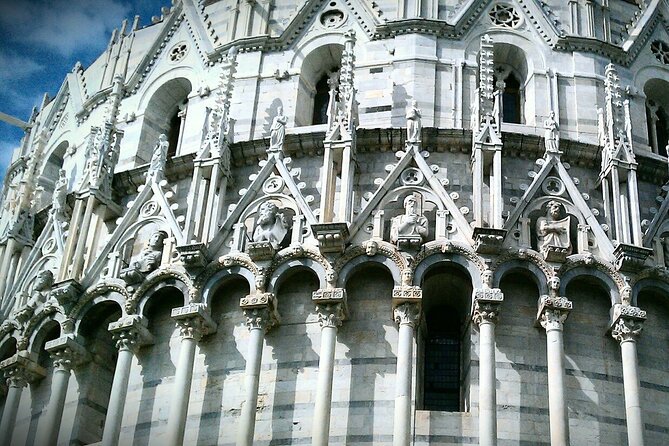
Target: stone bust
point(270, 225)
point(149, 258)
point(553, 231)
point(411, 226)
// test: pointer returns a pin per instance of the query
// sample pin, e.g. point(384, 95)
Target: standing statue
point(158, 159)
point(149, 259)
point(270, 225)
point(38, 295)
point(278, 131)
point(551, 134)
point(410, 228)
point(59, 199)
point(601, 127)
point(414, 124)
point(553, 232)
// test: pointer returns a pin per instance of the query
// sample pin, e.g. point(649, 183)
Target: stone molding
point(66, 353)
point(260, 311)
point(193, 321)
point(130, 333)
point(553, 311)
point(331, 306)
point(486, 304)
point(19, 370)
point(627, 322)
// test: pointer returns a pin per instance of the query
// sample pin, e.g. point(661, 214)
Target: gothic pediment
point(410, 175)
point(580, 230)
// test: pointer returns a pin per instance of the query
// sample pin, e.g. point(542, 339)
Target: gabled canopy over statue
point(270, 225)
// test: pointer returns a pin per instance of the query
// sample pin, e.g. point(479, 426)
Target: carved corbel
point(130, 333)
point(553, 311)
point(332, 237)
point(631, 258)
point(485, 305)
point(66, 292)
point(488, 240)
point(193, 256)
point(193, 321)
point(260, 310)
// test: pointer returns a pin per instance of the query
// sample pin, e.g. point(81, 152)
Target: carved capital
point(193, 321)
point(553, 311)
point(407, 313)
point(486, 303)
point(627, 322)
point(260, 311)
point(331, 314)
point(66, 353)
point(130, 333)
point(19, 370)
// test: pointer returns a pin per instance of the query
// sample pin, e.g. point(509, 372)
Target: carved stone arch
point(106, 288)
point(445, 250)
point(167, 276)
point(360, 261)
point(374, 248)
point(8, 346)
point(34, 332)
point(219, 278)
point(277, 271)
point(646, 283)
point(523, 259)
point(583, 264)
point(111, 297)
point(238, 259)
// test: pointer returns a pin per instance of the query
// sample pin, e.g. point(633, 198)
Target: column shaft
point(559, 422)
point(402, 419)
point(9, 412)
point(117, 398)
point(247, 420)
point(48, 433)
point(176, 422)
point(487, 385)
point(632, 393)
point(321, 426)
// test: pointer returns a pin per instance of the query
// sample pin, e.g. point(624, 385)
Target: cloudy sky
point(41, 40)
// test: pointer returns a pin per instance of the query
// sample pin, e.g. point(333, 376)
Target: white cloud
point(65, 26)
point(16, 67)
point(6, 151)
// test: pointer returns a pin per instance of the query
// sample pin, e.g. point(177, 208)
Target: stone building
point(354, 222)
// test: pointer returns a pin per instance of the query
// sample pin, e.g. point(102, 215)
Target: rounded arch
point(43, 331)
point(509, 41)
point(280, 272)
point(164, 279)
point(374, 250)
point(221, 277)
point(524, 267)
point(590, 273)
point(658, 286)
point(656, 91)
point(446, 251)
point(8, 347)
point(96, 304)
point(354, 265)
point(163, 113)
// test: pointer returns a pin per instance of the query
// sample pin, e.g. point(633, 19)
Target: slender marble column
point(261, 316)
point(485, 313)
point(194, 323)
point(407, 317)
point(18, 371)
point(626, 328)
point(66, 354)
point(332, 310)
point(553, 311)
point(129, 334)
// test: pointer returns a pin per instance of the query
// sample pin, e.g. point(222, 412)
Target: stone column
point(332, 310)
point(485, 311)
point(66, 354)
point(553, 311)
point(129, 334)
point(626, 327)
point(406, 314)
point(261, 316)
point(194, 323)
point(18, 371)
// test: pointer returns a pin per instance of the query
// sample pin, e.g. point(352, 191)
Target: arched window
point(313, 94)
point(441, 385)
point(445, 341)
point(657, 115)
point(510, 78)
point(164, 113)
point(511, 100)
point(321, 101)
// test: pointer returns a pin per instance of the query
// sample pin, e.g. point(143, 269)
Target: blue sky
point(41, 40)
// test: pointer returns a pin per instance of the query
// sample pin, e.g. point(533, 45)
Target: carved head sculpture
point(267, 213)
point(486, 278)
point(279, 110)
point(410, 205)
point(554, 285)
point(553, 209)
point(371, 248)
point(157, 239)
point(331, 277)
point(407, 277)
point(43, 280)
